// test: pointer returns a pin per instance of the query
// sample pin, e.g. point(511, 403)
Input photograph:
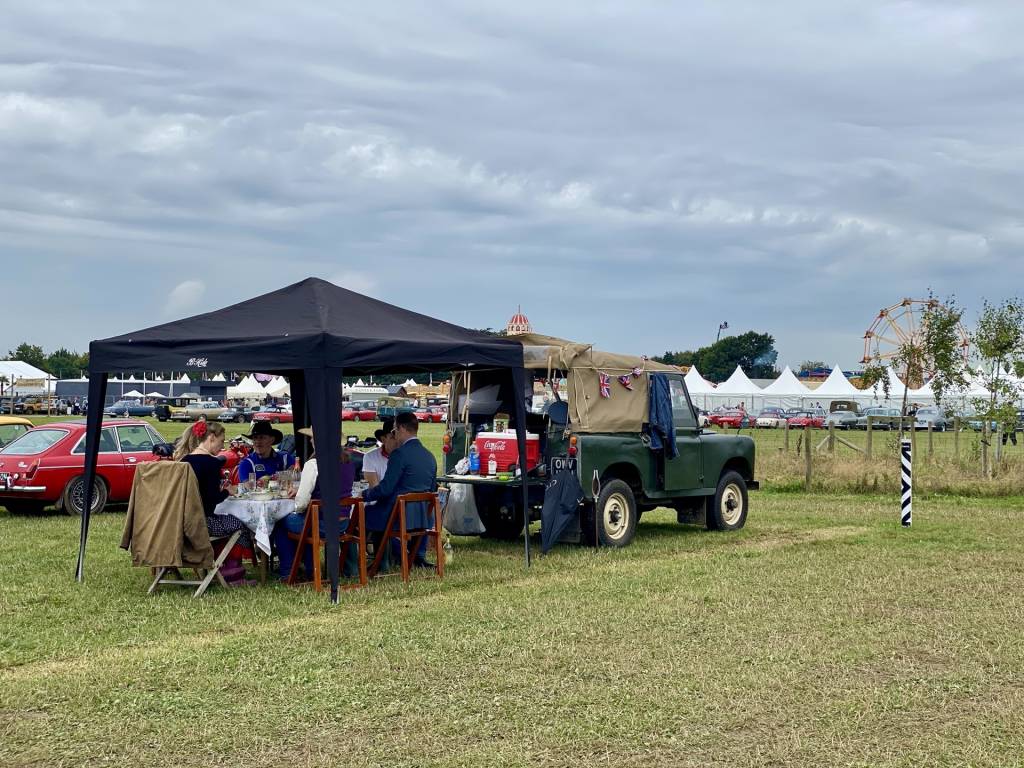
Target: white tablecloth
point(259, 516)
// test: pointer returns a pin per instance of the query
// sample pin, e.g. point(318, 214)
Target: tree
point(29, 353)
point(941, 339)
point(999, 345)
point(753, 352)
point(64, 363)
point(811, 365)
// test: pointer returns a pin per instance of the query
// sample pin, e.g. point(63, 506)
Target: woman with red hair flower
point(200, 447)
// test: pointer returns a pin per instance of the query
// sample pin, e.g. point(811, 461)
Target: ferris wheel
point(903, 324)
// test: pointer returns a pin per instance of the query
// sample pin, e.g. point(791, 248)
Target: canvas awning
point(625, 410)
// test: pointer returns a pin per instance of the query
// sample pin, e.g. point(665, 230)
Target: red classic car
point(428, 415)
point(734, 418)
point(359, 412)
point(814, 419)
point(275, 414)
point(45, 465)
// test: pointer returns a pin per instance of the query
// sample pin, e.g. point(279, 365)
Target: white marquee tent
point(247, 389)
point(787, 391)
point(735, 390)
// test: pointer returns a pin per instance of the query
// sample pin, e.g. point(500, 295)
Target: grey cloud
point(789, 167)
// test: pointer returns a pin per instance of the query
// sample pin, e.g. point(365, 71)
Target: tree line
point(753, 352)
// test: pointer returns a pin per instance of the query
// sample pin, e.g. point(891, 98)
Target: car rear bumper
point(18, 489)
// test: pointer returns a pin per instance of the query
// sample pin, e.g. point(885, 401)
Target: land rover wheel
point(727, 510)
point(617, 516)
point(73, 500)
point(356, 418)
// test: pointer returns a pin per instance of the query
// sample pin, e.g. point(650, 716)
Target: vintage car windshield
point(36, 441)
point(8, 432)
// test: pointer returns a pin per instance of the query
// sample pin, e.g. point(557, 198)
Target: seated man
point(263, 460)
point(309, 490)
point(411, 469)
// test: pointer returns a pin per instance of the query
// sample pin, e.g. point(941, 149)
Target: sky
point(632, 174)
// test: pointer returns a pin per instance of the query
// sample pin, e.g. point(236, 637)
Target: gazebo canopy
point(311, 332)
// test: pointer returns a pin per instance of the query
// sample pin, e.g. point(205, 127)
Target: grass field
point(821, 634)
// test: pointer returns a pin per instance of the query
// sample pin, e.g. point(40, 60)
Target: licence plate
point(559, 463)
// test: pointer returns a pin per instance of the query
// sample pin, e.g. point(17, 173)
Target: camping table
point(485, 480)
point(259, 515)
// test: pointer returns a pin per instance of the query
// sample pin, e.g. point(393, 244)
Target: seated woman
point(199, 448)
point(309, 490)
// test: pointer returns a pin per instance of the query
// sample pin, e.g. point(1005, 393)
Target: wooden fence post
point(984, 448)
point(831, 438)
point(931, 445)
point(867, 444)
point(807, 454)
point(785, 435)
point(956, 437)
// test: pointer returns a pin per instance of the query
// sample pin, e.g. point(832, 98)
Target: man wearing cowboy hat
point(263, 460)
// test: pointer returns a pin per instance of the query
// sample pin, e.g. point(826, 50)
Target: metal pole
point(906, 481)
point(867, 444)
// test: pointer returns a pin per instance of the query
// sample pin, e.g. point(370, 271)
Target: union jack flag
point(626, 381)
point(605, 382)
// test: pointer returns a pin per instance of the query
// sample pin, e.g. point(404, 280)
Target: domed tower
point(518, 324)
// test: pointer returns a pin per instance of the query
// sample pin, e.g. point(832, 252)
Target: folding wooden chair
point(355, 533)
point(205, 577)
point(409, 539)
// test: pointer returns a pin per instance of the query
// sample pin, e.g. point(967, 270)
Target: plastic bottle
point(492, 465)
point(474, 460)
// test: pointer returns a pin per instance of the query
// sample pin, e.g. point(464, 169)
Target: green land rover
point(598, 423)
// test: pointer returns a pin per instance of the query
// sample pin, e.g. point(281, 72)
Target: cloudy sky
point(632, 175)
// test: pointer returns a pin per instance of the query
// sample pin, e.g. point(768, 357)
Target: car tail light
point(573, 450)
point(32, 470)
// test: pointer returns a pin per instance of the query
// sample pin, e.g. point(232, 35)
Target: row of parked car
point(34, 405)
point(846, 417)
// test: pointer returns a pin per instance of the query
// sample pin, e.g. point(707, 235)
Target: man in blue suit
point(411, 469)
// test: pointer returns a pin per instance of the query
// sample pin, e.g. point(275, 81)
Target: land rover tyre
point(617, 515)
point(727, 509)
point(73, 499)
point(355, 417)
point(239, 419)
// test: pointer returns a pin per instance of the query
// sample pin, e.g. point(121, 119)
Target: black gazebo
point(311, 332)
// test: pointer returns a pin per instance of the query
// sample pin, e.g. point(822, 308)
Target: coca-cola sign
point(494, 445)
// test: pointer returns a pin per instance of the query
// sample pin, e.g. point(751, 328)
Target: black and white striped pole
point(907, 484)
